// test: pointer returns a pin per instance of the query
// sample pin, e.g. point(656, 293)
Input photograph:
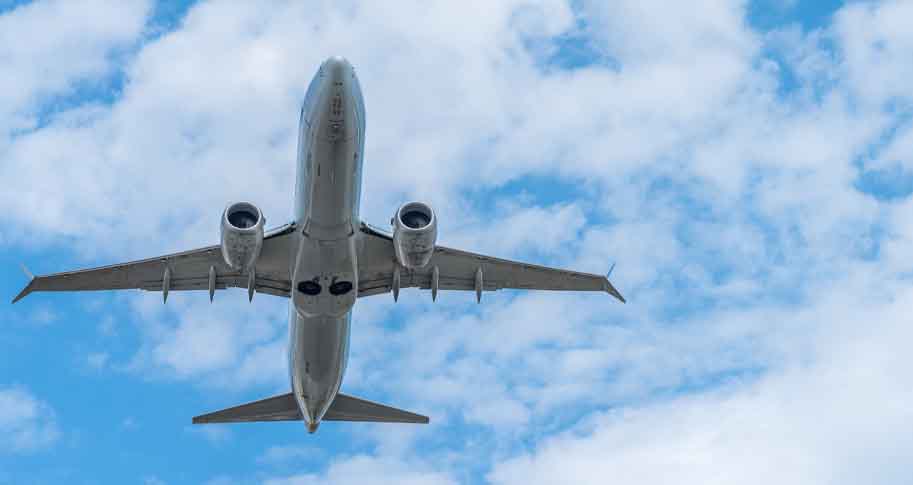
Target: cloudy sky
point(748, 164)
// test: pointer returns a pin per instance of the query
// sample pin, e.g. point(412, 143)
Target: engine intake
point(242, 235)
point(414, 234)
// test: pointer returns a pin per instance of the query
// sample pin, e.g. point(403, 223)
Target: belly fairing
point(325, 278)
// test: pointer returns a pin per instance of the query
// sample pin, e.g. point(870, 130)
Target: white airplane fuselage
point(324, 269)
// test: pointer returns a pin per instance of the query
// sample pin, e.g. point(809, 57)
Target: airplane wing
point(188, 270)
point(462, 270)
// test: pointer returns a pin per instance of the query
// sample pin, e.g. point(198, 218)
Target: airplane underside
point(323, 262)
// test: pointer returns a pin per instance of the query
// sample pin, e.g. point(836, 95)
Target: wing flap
point(349, 408)
point(270, 284)
point(276, 408)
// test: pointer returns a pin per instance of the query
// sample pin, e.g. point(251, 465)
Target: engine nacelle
point(414, 234)
point(242, 235)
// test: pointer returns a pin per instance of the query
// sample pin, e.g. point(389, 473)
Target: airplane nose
point(336, 68)
point(337, 111)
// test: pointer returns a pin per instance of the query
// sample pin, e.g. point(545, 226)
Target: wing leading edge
point(187, 270)
point(463, 270)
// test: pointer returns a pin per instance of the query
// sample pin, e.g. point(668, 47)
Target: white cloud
point(289, 454)
point(228, 344)
point(366, 469)
point(834, 413)
point(642, 33)
point(873, 38)
point(26, 423)
point(49, 47)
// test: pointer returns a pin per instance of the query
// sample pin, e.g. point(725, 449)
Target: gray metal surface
point(350, 408)
point(414, 246)
point(276, 408)
point(318, 352)
point(189, 271)
point(241, 246)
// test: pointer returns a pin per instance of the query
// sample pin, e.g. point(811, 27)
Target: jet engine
point(414, 234)
point(242, 235)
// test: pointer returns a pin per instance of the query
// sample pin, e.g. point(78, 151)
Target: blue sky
point(746, 164)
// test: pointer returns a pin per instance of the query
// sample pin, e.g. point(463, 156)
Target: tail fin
point(285, 408)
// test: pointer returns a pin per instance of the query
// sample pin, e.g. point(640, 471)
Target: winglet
point(611, 289)
point(29, 287)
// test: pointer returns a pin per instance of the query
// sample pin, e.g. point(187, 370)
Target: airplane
point(323, 261)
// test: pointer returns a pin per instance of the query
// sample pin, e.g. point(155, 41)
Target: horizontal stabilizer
point(276, 408)
point(348, 408)
point(284, 408)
